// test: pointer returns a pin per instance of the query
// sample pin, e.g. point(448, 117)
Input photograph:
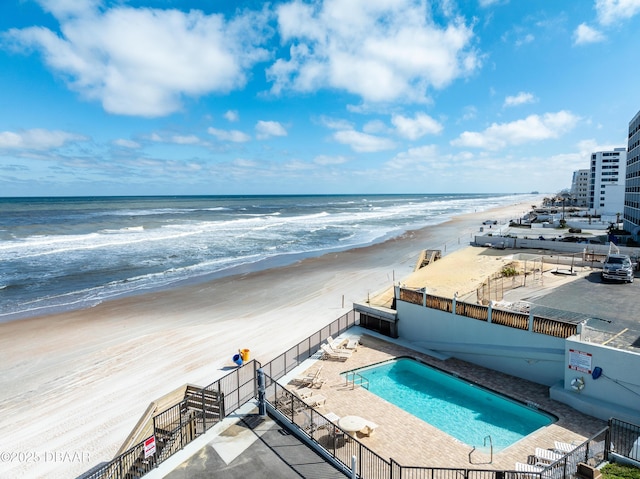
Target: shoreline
point(91, 373)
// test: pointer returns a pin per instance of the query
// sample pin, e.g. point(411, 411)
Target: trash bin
point(245, 354)
point(237, 359)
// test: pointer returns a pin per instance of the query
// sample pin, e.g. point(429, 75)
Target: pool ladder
point(485, 445)
point(356, 379)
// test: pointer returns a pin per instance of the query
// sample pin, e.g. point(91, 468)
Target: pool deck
point(411, 441)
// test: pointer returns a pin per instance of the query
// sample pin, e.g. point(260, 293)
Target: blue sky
point(169, 97)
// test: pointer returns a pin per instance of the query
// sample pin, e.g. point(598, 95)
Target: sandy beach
point(73, 385)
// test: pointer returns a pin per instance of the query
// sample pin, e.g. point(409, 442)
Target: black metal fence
point(624, 439)
point(180, 424)
point(291, 358)
point(203, 407)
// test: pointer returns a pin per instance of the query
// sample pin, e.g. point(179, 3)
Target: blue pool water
point(461, 409)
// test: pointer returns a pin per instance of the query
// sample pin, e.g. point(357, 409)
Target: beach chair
point(352, 344)
point(303, 393)
point(528, 468)
point(334, 355)
point(314, 401)
point(336, 343)
point(328, 422)
point(547, 456)
point(310, 379)
point(368, 429)
point(563, 447)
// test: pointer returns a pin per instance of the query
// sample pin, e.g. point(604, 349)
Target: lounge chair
point(547, 456)
point(303, 393)
point(368, 429)
point(563, 447)
point(327, 421)
point(328, 353)
point(312, 379)
point(314, 400)
point(522, 467)
point(336, 343)
point(352, 344)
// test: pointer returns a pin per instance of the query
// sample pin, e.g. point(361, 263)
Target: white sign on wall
point(580, 361)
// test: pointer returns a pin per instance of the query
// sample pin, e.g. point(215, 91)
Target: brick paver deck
point(413, 442)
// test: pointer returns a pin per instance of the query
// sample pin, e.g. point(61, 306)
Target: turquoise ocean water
point(58, 254)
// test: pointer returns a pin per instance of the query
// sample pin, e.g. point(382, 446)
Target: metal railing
point(624, 439)
point(182, 423)
point(356, 379)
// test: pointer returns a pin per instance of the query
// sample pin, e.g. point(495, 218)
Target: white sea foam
point(101, 249)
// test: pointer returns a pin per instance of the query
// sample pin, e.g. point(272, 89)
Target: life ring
point(577, 384)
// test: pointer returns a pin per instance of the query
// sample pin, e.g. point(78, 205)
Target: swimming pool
point(461, 409)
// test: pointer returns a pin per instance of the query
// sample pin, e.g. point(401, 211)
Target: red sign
point(150, 447)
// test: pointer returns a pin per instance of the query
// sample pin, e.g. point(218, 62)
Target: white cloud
point(127, 59)
point(380, 51)
point(325, 160)
point(127, 143)
point(185, 139)
point(335, 123)
point(37, 139)
point(232, 116)
point(584, 34)
point(427, 154)
point(267, 129)
point(519, 99)
point(413, 128)
point(229, 135)
point(612, 11)
point(362, 142)
point(532, 128)
point(528, 38)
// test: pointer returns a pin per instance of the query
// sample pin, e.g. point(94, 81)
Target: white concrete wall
point(525, 354)
point(616, 393)
point(536, 357)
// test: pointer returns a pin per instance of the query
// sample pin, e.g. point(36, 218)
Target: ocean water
point(59, 254)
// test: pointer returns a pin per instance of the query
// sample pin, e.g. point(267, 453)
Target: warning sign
point(150, 447)
point(580, 361)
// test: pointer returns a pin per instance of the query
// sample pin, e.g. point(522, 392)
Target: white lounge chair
point(522, 467)
point(329, 353)
point(336, 343)
point(315, 400)
point(563, 447)
point(328, 421)
point(303, 393)
point(311, 379)
point(547, 456)
point(368, 429)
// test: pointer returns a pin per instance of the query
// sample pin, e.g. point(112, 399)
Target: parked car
point(490, 222)
point(618, 267)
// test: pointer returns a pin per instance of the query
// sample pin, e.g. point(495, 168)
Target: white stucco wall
point(616, 393)
point(536, 357)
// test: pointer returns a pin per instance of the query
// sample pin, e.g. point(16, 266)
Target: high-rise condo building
point(632, 184)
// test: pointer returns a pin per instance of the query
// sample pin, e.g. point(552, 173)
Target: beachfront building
point(580, 188)
point(632, 183)
point(607, 181)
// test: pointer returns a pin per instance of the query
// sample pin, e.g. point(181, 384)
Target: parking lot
point(613, 308)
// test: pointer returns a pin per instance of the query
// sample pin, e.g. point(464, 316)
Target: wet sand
point(73, 385)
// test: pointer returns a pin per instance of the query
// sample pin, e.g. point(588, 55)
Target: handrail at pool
point(356, 378)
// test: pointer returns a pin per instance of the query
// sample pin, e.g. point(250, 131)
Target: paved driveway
point(613, 308)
